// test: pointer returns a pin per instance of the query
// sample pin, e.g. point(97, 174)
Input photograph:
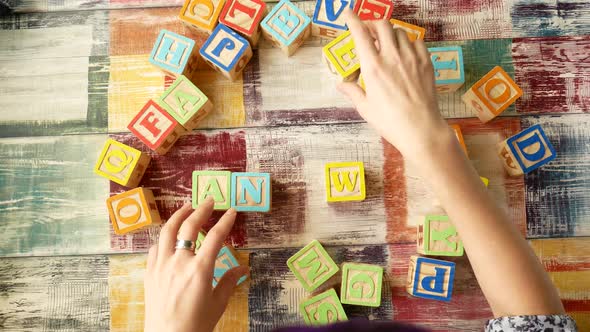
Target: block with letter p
point(133, 210)
point(526, 151)
point(437, 236)
point(322, 309)
point(413, 32)
point(449, 73)
point(251, 192)
point(226, 51)
point(244, 16)
point(361, 284)
point(121, 163)
point(173, 53)
point(341, 56)
point(327, 19)
point(312, 266)
point(225, 261)
point(430, 278)
point(345, 181)
point(286, 27)
point(215, 184)
point(185, 103)
point(156, 128)
point(201, 14)
point(373, 9)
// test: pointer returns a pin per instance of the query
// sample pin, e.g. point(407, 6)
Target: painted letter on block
point(226, 260)
point(323, 309)
point(186, 103)
point(345, 181)
point(201, 14)
point(373, 9)
point(251, 192)
point(361, 284)
point(449, 74)
point(132, 210)
point(438, 236)
point(430, 278)
point(172, 52)
point(312, 266)
point(214, 184)
point(286, 27)
point(226, 51)
point(156, 128)
point(327, 18)
point(341, 56)
point(526, 151)
point(414, 32)
point(121, 163)
point(244, 16)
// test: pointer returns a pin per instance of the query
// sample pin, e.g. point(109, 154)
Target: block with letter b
point(225, 261)
point(244, 16)
point(373, 9)
point(322, 309)
point(121, 163)
point(492, 94)
point(286, 27)
point(201, 14)
point(413, 32)
point(312, 266)
point(361, 284)
point(185, 103)
point(215, 184)
point(526, 151)
point(226, 51)
point(449, 72)
point(430, 278)
point(173, 53)
point(251, 192)
point(327, 19)
point(133, 210)
point(345, 181)
point(437, 236)
point(341, 56)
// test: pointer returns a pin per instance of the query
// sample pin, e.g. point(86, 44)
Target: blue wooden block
point(225, 261)
point(327, 19)
point(226, 51)
point(449, 71)
point(286, 26)
point(532, 138)
point(172, 52)
point(430, 278)
point(250, 192)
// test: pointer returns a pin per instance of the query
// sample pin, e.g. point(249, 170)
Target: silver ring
point(185, 244)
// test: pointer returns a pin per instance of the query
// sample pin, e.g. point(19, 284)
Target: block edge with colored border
point(346, 267)
point(305, 249)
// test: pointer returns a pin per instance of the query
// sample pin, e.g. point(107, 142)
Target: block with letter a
point(373, 9)
point(251, 192)
point(526, 151)
point(156, 128)
point(414, 32)
point(449, 73)
point(133, 210)
point(121, 163)
point(345, 181)
point(341, 56)
point(286, 27)
point(361, 284)
point(185, 103)
point(492, 94)
point(322, 309)
point(227, 52)
point(430, 278)
point(214, 184)
point(201, 14)
point(226, 260)
point(173, 53)
point(244, 16)
point(438, 236)
point(312, 266)
point(327, 19)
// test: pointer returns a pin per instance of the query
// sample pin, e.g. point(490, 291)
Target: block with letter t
point(286, 27)
point(215, 184)
point(312, 266)
point(345, 181)
point(430, 278)
point(227, 52)
point(244, 16)
point(121, 163)
point(186, 103)
point(322, 309)
point(201, 14)
point(437, 236)
point(174, 54)
point(449, 72)
point(361, 284)
point(133, 210)
point(251, 192)
point(327, 19)
point(526, 151)
point(341, 56)
point(373, 9)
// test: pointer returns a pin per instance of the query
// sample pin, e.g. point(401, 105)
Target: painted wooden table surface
point(74, 72)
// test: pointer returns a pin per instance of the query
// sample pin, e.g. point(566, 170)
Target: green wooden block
point(216, 184)
point(361, 284)
point(312, 265)
point(200, 239)
point(185, 103)
point(322, 309)
point(437, 236)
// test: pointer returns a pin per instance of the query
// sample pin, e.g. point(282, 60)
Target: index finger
point(364, 43)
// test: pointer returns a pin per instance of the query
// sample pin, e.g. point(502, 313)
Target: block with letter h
point(413, 32)
point(174, 53)
point(373, 9)
point(341, 56)
point(449, 72)
point(437, 236)
point(225, 261)
point(345, 181)
point(430, 278)
point(244, 16)
point(312, 266)
point(121, 163)
point(327, 19)
point(186, 103)
point(286, 27)
point(227, 52)
point(201, 14)
point(361, 284)
point(526, 151)
point(323, 309)
point(492, 94)
point(133, 210)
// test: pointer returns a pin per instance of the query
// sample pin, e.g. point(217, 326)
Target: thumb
point(226, 286)
point(353, 92)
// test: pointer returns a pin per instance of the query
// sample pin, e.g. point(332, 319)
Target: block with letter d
point(286, 27)
point(373, 9)
point(345, 181)
point(413, 32)
point(312, 266)
point(526, 151)
point(186, 103)
point(227, 52)
point(361, 284)
point(244, 16)
point(133, 210)
point(214, 184)
point(449, 73)
point(430, 278)
point(322, 309)
point(201, 14)
point(327, 19)
point(437, 236)
point(173, 53)
point(251, 192)
point(225, 261)
point(121, 163)
point(341, 56)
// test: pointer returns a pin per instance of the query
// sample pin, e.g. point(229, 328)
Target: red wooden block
point(244, 16)
point(373, 9)
point(155, 127)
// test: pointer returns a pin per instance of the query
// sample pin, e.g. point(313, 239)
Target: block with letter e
point(225, 261)
point(492, 94)
point(322, 309)
point(251, 192)
point(413, 32)
point(226, 51)
point(214, 184)
point(373, 9)
point(244, 16)
point(345, 181)
point(185, 103)
point(286, 27)
point(312, 266)
point(361, 284)
point(174, 53)
point(449, 72)
point(156, 128)
point(201, 14)
point(430, 278)
point(526, 151)
point(133, 210)
point(437, 236)
point(121, 163)
point(327, 19)
point(341, 56)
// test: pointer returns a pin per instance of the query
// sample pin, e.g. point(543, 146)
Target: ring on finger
point(185, 244)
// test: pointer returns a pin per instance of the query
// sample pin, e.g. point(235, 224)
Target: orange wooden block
point(459, 135)
point(244, 16)
point(201, 14)
point(133, 210)
point(414, 32)
point(121, 163)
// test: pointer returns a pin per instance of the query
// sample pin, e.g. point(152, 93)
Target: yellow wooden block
point(121, 163)
point(340, 55)
point(345, 181)
point(485, 181)
point(414, 32)
point(201, 14)
point(133, 210)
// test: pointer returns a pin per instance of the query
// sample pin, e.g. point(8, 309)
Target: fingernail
point(231, 212)
point(209, 200)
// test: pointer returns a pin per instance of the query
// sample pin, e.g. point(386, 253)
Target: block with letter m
point(312, 266)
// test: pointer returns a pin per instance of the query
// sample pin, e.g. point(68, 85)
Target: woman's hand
point(179, 295)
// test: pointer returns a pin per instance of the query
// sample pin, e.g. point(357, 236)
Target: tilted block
point(449, 73)
point(492, 94)
point(373, 9)
point(361, 284)
point(199, 241)
point(312, 266)
point(526, 151)
point(156, 128)
point(414, 32)
point(322, 309)
point(185, 103)
point(327, 19)
point(345, 181)
point(286, 27)
point(214, 184)
point(437, 236)
point(457, 129)
point(226, 260)
point(341, 56)
point(227, 52)
point(201, 14)
point(121, 163)
point(174, 53)
point(244, 16)
point(430, 278)
point(251, 192)
point(133, 210)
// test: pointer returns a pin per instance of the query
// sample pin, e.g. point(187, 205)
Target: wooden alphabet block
point(438, 237)
point(492, 94)
point(430, 278)
point(226, 260)
point(345, 181)
point(156, 128)
point(361, 284)
point(121, 163)
point(244, 16)
point(251, 192)
point(414, 32)
point(200, 239)
point(286, 27)
point(201, 14)
point(312, 266)
point(227, 52)
point(449, 73)
point(132, 210)
point(526, 151)
point(186, 103)
point(459, 134)
point(322, 309)
point(173, 53)
point(327, 18)
point(373, 9)
point(485, 181)
point(215, 184)
point(341, 56)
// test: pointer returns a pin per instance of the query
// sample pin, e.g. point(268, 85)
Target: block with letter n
point(174, 53)
point(449, 72)
point(361, 284)
point(341, 56)
point(286, 27)
point(201, 14)
point(251, 192)
point(312, 266)
point(227, 52)
point(133, 210)
point(214, 184)
point(322, 309)
point(121, 163)
point(186, 103)
point(430, 278)
point(437, 236)
point(225, 261)
point(244, 16)
point(413, 32)
point(373, 9)
point(345, 181)
point(526, 151)
point(327, 19)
